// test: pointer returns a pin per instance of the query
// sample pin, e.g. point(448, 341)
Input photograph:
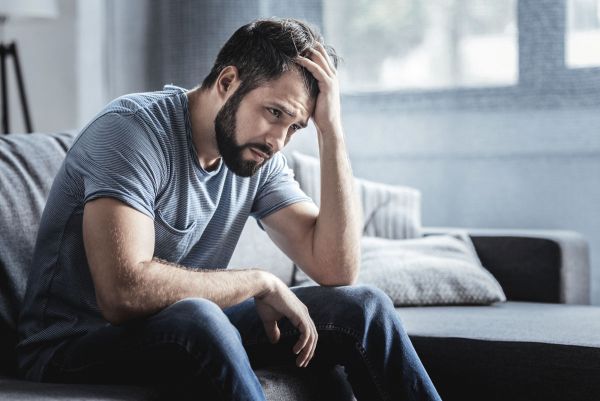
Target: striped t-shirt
point(138, 150)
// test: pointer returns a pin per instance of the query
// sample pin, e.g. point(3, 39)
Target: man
point(127, 280)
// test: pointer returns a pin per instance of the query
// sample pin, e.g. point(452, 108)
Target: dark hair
point(264, 49)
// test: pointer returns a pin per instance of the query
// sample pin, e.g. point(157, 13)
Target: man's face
point(252, 127)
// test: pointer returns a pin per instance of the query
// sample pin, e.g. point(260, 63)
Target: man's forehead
point(289, 91)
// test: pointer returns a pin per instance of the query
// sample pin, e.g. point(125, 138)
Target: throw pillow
point(389, 211)
point(28, 164)
point(434, 270)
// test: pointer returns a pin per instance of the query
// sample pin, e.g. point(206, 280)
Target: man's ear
point(228, 81)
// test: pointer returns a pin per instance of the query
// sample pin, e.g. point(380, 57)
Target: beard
point(230, 150)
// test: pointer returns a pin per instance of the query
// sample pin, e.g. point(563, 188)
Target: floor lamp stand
point(10, 51)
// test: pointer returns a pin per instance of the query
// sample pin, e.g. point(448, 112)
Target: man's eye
point(296, 127)
point(275, 112)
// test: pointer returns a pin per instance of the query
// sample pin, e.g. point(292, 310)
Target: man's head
point(271, 95)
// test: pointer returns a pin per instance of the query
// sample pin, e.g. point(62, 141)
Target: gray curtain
point(153, 43)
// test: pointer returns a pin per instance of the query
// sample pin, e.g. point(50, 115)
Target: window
point(415, 44)
point(583, 33)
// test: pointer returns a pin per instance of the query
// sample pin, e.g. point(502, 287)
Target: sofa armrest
point(534, 265)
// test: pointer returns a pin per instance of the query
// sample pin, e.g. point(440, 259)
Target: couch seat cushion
point(15, 389)
point(279, 384)
point(511, 351)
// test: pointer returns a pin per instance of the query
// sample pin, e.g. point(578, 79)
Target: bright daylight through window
point(416, 44)
point(583, 33)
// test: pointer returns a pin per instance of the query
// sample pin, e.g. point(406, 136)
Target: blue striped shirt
point(138, 150)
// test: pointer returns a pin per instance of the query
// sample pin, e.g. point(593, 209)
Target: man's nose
point(276, 138)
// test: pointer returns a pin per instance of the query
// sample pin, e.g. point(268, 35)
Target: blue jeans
point(213, 351)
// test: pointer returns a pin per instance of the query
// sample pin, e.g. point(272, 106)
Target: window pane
point(400, 44)
point(583, 33)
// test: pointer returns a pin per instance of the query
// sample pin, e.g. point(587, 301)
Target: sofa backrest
point(256, 250)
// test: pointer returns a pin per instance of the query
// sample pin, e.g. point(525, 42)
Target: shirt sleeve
point(279, 190)
point(117, 157)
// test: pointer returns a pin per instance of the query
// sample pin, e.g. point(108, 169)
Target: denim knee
point(367, 297)
point(360, 308)
point(197, 322)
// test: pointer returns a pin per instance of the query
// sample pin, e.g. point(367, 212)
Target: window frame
point(543, 80)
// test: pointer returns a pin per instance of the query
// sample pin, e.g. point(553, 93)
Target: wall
point(49, 64)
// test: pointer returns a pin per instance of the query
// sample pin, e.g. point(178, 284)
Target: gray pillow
point(389, 211)
point(28, 164)
point(434, 270)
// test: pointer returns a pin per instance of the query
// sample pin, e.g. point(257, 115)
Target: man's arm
point(324, 242)
point(129, 283)
point(119, 244)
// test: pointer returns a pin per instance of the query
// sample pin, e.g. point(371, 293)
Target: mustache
point(263, 148)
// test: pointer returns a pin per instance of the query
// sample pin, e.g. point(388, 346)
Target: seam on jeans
point(355, 336)
point(361, 350)
point(161, 340)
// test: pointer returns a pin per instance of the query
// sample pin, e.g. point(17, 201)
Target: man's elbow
point(337, 281)
point(347, 275)
point(113, 317)
point(114, 309)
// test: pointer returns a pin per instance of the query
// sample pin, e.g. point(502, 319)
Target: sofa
point(542, 344)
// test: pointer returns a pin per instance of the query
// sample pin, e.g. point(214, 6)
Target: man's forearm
point(336, 233)
point(336, 239)
point(152, 286)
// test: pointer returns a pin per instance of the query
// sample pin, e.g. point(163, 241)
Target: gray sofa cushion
point(255, 249)
point(14, 389)
point(279, 384)
point(435, 270)
point(511, 351)
point(28, 164)
point(389, 211)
